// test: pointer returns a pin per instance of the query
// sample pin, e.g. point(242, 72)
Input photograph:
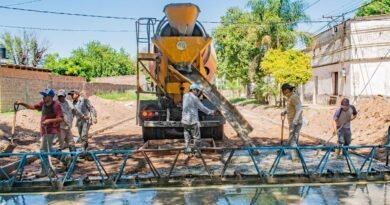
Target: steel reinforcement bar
point(13, 180)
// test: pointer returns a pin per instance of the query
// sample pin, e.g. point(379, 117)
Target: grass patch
point(9, 113)
point(243, 101)
point(250, 102)
point(124, 96)
point(236, 100)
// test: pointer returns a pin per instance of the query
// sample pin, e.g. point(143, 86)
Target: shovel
point(330, 138)
point(16, 108)
point(283, 117)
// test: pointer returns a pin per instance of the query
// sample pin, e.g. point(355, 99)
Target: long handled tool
point(330, 138)
point(47, 145)
point(387, 149)
point(16, 108)
point(283, 117)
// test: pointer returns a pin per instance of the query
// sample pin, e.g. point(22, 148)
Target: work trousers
point(192, 131)
point(66, 139)
point(293, 137)
point(47, 146)
point(83, 128)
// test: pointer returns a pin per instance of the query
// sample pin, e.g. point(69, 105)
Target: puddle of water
point(377, 193)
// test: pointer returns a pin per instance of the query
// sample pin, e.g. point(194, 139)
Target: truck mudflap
point(179, 124)
point(156, 130)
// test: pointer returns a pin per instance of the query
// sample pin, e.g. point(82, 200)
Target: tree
point(92, 60)
point(25, 49)
point(235, 45)
point(290, 66)
point(376, 7)
point(244, 37)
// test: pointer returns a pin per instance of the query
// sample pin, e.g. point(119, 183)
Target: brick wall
point(93, 88)
point(24, 83)
point(121, 80)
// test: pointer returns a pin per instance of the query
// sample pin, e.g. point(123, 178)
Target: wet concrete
point(377, 194)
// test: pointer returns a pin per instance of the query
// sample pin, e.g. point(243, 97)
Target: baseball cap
point(61, 93)
point(71, 92)
point(287, 86)
point(345, 102)
point(47, 92)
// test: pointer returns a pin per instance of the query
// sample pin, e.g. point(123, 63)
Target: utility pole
point(342, 53)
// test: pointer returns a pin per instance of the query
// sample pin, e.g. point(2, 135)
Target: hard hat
point(195, 87)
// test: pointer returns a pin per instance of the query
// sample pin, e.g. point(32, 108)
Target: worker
point(85, 119)
point(190, 118)
point(294, 116)
point(342, 124)
point(68, 109)
point(51, 118)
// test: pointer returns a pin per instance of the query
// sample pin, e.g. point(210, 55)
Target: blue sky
point(64, 42)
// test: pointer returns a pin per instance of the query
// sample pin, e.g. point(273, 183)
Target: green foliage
point(236, 100)
point(378, 7)
point(24, 49)
point(264, 91)
point(93, 60)
point(124, 96)
point(245, 36)
point(235, 45)
point(288, 66)
point(242, 101)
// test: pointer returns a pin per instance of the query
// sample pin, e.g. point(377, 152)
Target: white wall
point(378, 72)
point(366, 49)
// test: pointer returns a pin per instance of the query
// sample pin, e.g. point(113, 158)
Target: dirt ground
point(369, 128)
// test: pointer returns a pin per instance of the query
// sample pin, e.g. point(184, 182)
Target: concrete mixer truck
point(175, 52)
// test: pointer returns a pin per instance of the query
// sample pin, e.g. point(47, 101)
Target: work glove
point(295, 122)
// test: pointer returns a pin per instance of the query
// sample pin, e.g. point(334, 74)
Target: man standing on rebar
point(85, 119)
point(51, 118)
point(294, 116)
point(342, 123)
point(68, 109)
point(190, 118)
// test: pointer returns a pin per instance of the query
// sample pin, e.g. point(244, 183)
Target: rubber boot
point(72, 149)
point(84, 146)
point(337, 153)
point(294, 156)
point(197, 154)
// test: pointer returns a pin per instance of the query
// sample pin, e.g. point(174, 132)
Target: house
point(351, 59)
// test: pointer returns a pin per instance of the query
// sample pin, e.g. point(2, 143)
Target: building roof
point(358, 18)
point(24, 67)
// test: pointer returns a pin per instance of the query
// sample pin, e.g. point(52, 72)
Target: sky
point(63, 42)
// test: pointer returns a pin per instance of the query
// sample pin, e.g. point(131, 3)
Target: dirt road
point(265, 120)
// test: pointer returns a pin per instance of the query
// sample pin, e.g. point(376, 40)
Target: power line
point(342, 7)
point(345, 13)
point(67, 29)
point(310, 5)
point(68, 14)
point(22, 3)
point(132, 18)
